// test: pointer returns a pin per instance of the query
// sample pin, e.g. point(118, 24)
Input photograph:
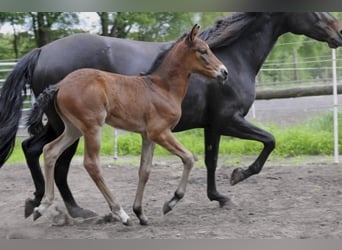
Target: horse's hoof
point(143, 221)
point(79, 212)
point(224, 201)
point(237, 176)
point(36, 215)
point(166, 208)
point(227, 203)
point(29, 207)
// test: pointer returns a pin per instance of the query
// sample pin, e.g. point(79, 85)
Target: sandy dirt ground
point(288, 199)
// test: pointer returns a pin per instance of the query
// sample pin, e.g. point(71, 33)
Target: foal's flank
point(150, 105)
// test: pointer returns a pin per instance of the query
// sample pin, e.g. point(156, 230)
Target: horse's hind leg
point(169, 142)
point(92, 140)
point(61, 173)
point(33, 148)
point(144, 173)
point(51, 153)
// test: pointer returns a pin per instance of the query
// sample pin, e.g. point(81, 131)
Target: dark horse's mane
point(229, 29)
point(224, 32)
point(161, 56)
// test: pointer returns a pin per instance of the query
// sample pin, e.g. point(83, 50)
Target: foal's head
point(195, 55)
point(199, 57)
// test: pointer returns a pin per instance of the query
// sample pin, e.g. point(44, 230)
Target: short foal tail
point(34, 121)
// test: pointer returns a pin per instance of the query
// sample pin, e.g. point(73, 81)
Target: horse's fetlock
point(179, 195)
point(137, 210)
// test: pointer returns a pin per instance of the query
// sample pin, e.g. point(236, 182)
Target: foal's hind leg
point(51, 153)
point(91, 163)
point(144, 173)
point(169, 142)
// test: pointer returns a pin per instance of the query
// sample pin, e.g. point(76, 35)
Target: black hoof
point(78, 212)
point(237, 176)
point(166, 208)
point(143, 221)
point(225, 202)
point(36, 215)
point(29, 207)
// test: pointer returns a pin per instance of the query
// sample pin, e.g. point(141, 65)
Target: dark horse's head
point(326, 27)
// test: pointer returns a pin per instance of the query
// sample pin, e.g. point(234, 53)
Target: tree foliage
point(35, 29)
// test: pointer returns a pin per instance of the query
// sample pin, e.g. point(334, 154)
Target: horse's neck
point(256, 48)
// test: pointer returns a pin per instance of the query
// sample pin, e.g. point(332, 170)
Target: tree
point(43, 25)
point(15, 19)
point(144, 26)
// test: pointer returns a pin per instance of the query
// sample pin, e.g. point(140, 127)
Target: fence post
point(336, 153)
point(115, 144)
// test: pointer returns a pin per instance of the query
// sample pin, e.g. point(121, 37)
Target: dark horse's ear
point(193, 33)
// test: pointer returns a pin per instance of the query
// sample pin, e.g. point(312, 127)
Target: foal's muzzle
point(222, 73)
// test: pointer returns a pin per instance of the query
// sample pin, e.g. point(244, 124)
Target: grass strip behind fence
point(314, 137)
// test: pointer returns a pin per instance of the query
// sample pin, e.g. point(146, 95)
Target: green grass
point(315, 137)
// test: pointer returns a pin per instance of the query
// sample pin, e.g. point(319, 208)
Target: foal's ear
point(193, 33)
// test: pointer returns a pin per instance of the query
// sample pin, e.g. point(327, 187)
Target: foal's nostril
point(224, 73)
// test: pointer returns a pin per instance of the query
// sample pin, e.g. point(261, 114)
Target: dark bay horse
point(241, 41)
point(149, 105)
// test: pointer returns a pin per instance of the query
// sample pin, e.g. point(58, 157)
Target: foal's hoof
point(237, 176)
point(166, 208)
point(29, 207)
point(36, 214)
point(128, 223)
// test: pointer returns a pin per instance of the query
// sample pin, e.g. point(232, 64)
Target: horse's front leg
point(243, 129)
point(144, 173)
point(61, 174)
point(169, 142)
point(212, 143)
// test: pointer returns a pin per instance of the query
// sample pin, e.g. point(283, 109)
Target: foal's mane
point(161, 56)
point(227, 30)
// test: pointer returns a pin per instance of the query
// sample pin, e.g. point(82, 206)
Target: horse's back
point(123, 56)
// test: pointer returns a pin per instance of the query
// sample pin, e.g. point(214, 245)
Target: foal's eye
point(203, 51)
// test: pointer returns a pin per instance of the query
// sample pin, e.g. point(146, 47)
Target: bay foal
point(86, 99)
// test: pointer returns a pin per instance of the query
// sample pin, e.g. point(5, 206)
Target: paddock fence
point(276, 80)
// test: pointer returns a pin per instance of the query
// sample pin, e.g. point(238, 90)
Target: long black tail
point(11, 102)
point(34, 121)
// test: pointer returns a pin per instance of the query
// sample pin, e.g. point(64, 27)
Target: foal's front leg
point(92, 140)
point(144, 173)
point(169, 142)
